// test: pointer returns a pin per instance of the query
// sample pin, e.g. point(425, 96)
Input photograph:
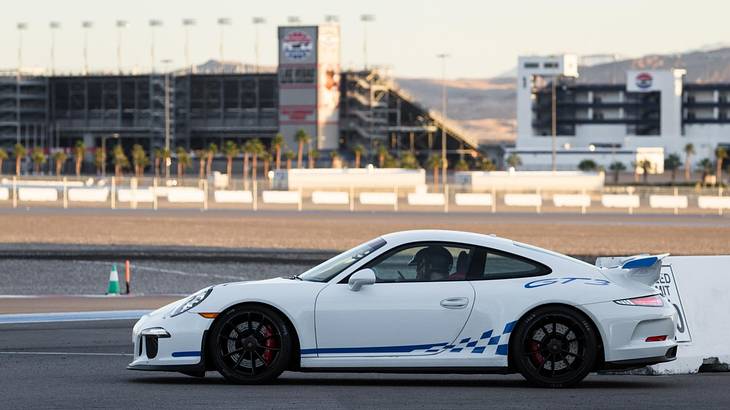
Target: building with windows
point(653, 114)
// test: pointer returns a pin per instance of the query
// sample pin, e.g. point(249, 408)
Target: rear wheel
point(250, 345)
point(554, 347)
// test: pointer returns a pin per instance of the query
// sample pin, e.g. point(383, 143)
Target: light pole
point(103, 152)
point(153, 24)
point(21, 27)
point(167, 102)
point(554, 122)
point(365, 18)
point(121, 25)
point(256, 22)
point(187, 23)
point(222, 23)
point(86, 25)
point(54, 25)
point(443, 57)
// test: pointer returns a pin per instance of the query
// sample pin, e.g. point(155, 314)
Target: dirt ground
point(571, 234)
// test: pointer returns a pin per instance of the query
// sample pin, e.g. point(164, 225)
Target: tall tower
point(309, 83)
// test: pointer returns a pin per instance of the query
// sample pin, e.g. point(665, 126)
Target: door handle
point(455, 303)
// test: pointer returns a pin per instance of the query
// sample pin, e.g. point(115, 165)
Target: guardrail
point(151, 193)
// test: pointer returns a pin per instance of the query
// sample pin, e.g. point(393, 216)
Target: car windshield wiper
point(293, 277)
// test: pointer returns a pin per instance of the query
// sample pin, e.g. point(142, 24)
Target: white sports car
point(421, 301)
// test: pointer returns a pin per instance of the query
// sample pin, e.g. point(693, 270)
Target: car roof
point(402, 237)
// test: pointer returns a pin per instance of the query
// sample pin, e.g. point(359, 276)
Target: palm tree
point(301, 138)
point(39, 158)
point(257, 149)
point(266, 158)
point(312, 157)
point(382, 153)
point(183, 162)
point(289, 155)
point(358, 150)
point(461, 165)
point(514, 160)
point(120, 160)
point(706, 167)
point(277, 143)
point(720, 156)
point(139, 159)
point(158, 158)
point(689, 150)
point(230, 150)
point(201, 154)
point(210, 153)
point(587, 165)
point(19, 152)
point(409, 161)
point(3, 157)
point(99, 160)
point(59, 159)
point(335, 158)
point(645, 166)
point(434, 162)
point(79, 152)
point(672, 163)
point(487, 164)
point(617, 167)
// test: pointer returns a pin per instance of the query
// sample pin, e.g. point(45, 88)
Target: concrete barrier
point(135, 195)
point(530, 180)
point(233, 197)
point(330, 198)
point(713, 202)
point(697, 287)
point(185, 195)
point(38, 194)
point(378, 198)
point(572, 200)
point(428, 199)
point(668, 201)
point(88, 194)
point(620, 201)
point(533, 200)
point(281, 197)
point(468, 199)
point(346, 178)
point(4, 194)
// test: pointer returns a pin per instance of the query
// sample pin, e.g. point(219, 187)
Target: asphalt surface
point(82, 365)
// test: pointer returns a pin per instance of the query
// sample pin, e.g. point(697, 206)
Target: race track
point(82, 365)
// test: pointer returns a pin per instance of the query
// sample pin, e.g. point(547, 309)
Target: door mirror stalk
point(361, 278)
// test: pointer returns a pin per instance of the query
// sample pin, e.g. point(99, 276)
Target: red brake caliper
point(270, 342)
point(535, 350)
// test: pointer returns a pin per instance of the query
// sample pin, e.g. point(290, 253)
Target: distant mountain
point(486, 107)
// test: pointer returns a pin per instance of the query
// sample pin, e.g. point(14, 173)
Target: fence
point(153, 193)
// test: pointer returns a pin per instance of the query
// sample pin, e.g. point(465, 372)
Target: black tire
point(250, 344)
point(554, 346)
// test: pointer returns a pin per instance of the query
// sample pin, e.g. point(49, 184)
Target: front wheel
point(554, 347)
point(250, 345)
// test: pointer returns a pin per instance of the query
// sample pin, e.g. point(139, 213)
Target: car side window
point(425, 262)
point(501, 265)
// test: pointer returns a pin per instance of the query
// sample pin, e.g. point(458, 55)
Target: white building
point(652, 115)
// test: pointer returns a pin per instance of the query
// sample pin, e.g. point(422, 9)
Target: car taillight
point(653, 300)
point(656, 338)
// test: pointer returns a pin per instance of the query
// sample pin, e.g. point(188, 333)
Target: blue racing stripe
point(185, 354)
point(375, 349)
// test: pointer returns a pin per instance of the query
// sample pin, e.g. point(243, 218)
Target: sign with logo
point(297, 45)
point(644, 80)
point(667, 285)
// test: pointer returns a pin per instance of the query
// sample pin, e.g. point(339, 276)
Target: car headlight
point(191, 302)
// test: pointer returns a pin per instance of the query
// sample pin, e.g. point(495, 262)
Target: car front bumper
point(164, 343)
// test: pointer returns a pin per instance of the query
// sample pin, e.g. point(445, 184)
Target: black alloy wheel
point(250, 345)
point(554, 347)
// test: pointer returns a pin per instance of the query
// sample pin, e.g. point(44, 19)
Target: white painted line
point(72, 316)
point(67, 354)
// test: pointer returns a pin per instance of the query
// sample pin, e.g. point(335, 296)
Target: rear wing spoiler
point(641, 268)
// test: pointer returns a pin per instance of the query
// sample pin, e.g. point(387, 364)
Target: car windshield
point(332, 267)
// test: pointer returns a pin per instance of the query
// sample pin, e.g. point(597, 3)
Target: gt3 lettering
point(563, 281)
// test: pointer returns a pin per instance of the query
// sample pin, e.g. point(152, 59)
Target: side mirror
point(361, 278)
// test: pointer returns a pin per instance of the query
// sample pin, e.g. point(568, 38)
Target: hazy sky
point(484, 38)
